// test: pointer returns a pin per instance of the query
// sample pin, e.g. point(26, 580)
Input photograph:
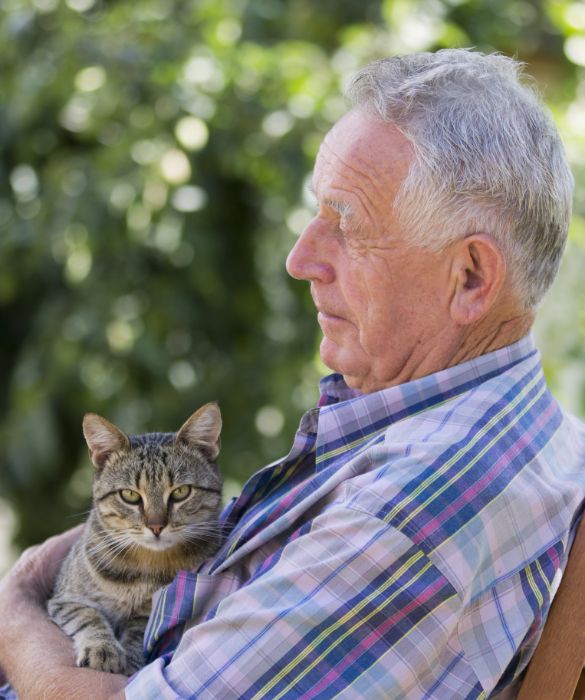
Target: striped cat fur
point(156, 501)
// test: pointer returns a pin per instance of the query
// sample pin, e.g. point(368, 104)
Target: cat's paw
point(103, 656)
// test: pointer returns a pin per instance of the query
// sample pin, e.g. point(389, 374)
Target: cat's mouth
point(158, 543)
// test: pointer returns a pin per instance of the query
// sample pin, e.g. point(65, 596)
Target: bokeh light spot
point(269, 421)
point(24, 182)
point(189, 198)
point(90, 79)
point(575, 50)
point(192, 133)
point(277, 124)
point(80, 5)
point(175, 166)
point(182, 375)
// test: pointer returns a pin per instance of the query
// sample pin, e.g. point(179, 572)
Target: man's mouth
point(326, 317)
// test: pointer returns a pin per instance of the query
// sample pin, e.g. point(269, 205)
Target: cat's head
point(158, 490)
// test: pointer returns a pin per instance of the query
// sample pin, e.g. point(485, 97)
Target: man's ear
point(478, 273)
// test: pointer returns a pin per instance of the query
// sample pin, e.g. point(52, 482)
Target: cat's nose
point(157, 529)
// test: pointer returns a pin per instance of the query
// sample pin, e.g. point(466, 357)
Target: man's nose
point(307, 260)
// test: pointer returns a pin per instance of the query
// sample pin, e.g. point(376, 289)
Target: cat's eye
point(180, 493)
point(130, 496)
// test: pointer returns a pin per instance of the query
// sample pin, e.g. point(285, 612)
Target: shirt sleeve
point(348, 605)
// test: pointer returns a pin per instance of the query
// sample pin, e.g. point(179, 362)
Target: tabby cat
point(156, 500)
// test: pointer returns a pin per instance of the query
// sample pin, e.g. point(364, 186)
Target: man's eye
point(343, 229)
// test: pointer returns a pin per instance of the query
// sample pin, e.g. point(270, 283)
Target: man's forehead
point(365, 144)
point(360, 131)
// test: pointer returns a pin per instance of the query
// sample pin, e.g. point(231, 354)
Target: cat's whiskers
point(104, 546)
point(196, 533)
point(213, 528)
point(112, 538)
point(103, 559)
point(105, 551)
point(83, 513)
point(198, 529)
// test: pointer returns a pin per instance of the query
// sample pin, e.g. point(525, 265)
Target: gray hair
point(488, 158)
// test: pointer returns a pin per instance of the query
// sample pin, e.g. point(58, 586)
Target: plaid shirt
point(407, 547)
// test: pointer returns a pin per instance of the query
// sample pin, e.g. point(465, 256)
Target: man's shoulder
point(482, 483)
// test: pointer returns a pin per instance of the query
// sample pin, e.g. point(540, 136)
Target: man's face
point(381, 304)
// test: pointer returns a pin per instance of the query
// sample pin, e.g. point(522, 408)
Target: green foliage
point(154, 154)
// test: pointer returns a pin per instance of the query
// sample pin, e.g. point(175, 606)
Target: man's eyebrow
point(344, 209)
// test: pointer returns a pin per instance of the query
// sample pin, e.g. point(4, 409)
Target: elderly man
point(410, 544)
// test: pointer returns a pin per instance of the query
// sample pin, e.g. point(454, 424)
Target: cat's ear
point(202, 429)
point(103, 438)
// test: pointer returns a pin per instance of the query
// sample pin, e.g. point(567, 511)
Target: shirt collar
point(347, 417)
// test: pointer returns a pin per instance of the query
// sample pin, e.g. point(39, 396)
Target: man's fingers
point(38, 566)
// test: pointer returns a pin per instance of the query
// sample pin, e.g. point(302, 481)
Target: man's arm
point(35, 655)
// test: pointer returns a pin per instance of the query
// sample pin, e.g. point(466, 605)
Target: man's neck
point(485, 338)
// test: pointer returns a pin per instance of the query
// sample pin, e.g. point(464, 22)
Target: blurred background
point(155, 155)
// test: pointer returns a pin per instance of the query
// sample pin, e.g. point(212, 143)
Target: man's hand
point(35, 654)
point(34, 574)
point(30, 581)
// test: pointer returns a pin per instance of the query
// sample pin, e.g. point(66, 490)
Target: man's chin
point(339, 359)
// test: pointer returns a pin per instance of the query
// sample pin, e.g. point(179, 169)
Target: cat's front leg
point(132, 640)
point(93, 637)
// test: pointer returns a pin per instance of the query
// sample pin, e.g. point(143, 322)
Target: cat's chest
point(125, 599)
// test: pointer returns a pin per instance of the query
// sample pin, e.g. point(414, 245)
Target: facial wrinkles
point(358, 187)
point(348, 220)
point(370, 284)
